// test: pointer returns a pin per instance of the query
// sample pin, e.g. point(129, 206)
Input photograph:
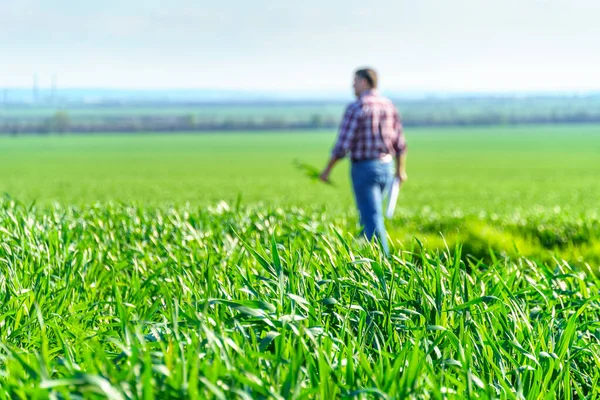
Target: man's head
point(364, 79)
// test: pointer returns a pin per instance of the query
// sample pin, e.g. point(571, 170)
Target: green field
point(498, 170)
point(210, 266)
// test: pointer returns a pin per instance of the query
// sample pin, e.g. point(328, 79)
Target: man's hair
point(369, 75)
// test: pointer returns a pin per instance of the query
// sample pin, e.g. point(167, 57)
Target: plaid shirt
point(371, 129)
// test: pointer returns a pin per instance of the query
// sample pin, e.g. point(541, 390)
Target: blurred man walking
point(371, 132)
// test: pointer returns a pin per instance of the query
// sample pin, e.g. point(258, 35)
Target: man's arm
point(400, 147)
point(342, 146)
point(401, 167)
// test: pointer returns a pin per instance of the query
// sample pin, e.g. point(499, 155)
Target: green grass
point(510, 179)
point(497, 170)
point(125, 302)
point(209, 266)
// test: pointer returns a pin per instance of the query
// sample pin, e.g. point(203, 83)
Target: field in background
point(533, 189)
point(496, 170)
point(210, 266)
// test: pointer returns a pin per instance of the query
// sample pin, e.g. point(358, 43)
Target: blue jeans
point(370, 179)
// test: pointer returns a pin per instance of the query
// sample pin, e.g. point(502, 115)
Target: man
point(371, 131)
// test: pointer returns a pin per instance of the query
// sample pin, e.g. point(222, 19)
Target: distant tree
point(330, 121)
point(60, 121)
point(316, 120)
point(191, 120)
point(274, 122)
point(230, 122)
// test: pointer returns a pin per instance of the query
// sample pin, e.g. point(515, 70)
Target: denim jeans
point(369, 180)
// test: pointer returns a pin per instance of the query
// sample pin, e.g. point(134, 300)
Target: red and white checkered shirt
point(371, 128)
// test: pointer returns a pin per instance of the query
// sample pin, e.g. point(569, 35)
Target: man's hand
point(401, 167)
point(402, 176)
point(325, 175)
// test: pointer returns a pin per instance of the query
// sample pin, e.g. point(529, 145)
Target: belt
point(383, 158)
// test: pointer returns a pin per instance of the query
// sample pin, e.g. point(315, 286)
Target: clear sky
point(465, 45)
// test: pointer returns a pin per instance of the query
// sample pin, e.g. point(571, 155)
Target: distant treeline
point(261, 117)
point(61, 123)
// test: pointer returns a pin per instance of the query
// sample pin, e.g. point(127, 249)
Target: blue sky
point(458, 45)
